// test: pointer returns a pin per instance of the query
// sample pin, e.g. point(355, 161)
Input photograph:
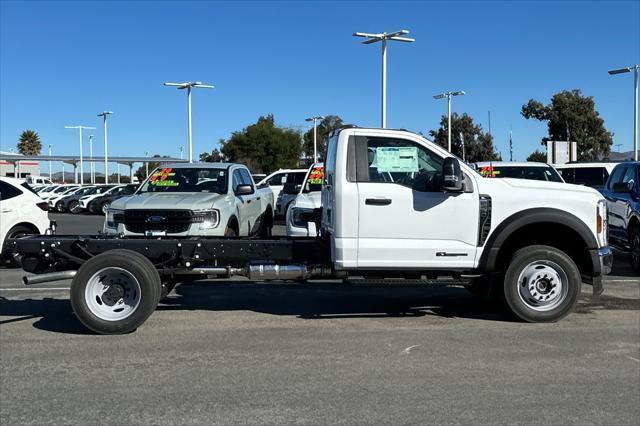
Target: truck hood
point(543, 185)
point(167, 201)
point(312, 200)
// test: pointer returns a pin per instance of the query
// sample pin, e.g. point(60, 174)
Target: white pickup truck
point(394, 206)
point(204, 199)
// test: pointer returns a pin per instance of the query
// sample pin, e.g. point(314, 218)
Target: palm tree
point(29, 143)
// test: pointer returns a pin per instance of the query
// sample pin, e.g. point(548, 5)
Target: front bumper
point(602, 262)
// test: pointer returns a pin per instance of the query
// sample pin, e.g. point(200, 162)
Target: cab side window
point(405, 163)
point(246, 177)
point(236, 180)
point(617, 176)
point(278, 179)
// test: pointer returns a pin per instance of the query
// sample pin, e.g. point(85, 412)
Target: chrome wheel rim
point(105, 207)
point(543, 285)
point(112, 294)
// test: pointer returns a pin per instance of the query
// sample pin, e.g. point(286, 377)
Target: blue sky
point(63, 62)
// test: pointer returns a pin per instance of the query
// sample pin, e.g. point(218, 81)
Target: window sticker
point(316, 176)
point(488, 171)
point(163, 177)
point(401, 159)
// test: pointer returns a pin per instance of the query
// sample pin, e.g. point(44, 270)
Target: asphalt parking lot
point(234, 352)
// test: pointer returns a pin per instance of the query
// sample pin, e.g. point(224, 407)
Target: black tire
point(230, 231)
point(266, 227)
point(73, 207)
point(103, 206)
point(539, 263)
point(16, 232)
point(135, 264)
point(634, 240)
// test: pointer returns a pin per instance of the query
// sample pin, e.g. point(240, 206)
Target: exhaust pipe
point(46, 278)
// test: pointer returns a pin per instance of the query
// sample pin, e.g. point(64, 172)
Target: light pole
point(80, 128)
point(448, 95)
point(50, 178)
point(635, 104)
point(315, 144)
point(189, 85)
point(104, 115)
point(91, 156)
point(383, 37)
point(181, 148)
point(146, 165)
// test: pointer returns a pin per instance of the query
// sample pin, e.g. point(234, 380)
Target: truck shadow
point(330, 300)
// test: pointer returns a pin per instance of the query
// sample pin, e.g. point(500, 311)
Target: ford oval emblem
point(156, 219)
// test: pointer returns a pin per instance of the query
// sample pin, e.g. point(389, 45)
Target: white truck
point(394, 206)
point(304, 210)
point(204, 199)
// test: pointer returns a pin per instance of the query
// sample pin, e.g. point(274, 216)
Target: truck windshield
point(314, 180)
point(192, 179)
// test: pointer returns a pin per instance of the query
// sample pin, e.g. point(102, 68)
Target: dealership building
point(23, 168)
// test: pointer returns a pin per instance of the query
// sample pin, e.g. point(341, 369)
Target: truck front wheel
point(541, 284)
point(115, 292)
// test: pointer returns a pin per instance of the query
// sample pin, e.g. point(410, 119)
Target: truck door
point(405, 219)
point(243, 205)
point(253, 204)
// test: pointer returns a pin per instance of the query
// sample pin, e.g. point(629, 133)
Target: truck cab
point(393, 200)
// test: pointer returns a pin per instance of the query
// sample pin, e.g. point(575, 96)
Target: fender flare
point(527, 217)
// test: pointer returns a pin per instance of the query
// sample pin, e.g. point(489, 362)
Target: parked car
point(84, 201)
point(55, 197)
point(277, 180)
point(622, 193)
point(22, 212)
point(70, 200)
point(593, 174)
point(56, 192)
point(207, 199)
point(45, 190)
point(518, 170)
point(304, 214)
point(100, 205)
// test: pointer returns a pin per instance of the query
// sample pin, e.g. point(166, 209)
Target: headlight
point(113, 217)
point(300, 217)
point(602, 223)
point(208, 218)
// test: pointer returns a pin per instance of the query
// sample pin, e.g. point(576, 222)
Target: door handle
point(248, 201)
point(258, 198)
point(377, 201)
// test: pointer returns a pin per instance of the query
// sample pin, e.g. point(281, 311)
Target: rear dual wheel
point(115, 292)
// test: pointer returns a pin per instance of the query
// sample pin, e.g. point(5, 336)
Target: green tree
point(537, 156)
point(263, 147)
point(478, 145)
point(214, 157)
point(573, 117)
point(29, 143)
point(141, 173)
point(323, 129)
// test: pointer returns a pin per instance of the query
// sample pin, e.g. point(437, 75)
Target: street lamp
point(635, 104)
point(448, 95)
point(91, 156)
point(146, 165)
point(80, 128)
point(315, 145)
point(50, 178)
point(383, 37)
point(181, 148)
point(189, 85)
point(104, 115)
